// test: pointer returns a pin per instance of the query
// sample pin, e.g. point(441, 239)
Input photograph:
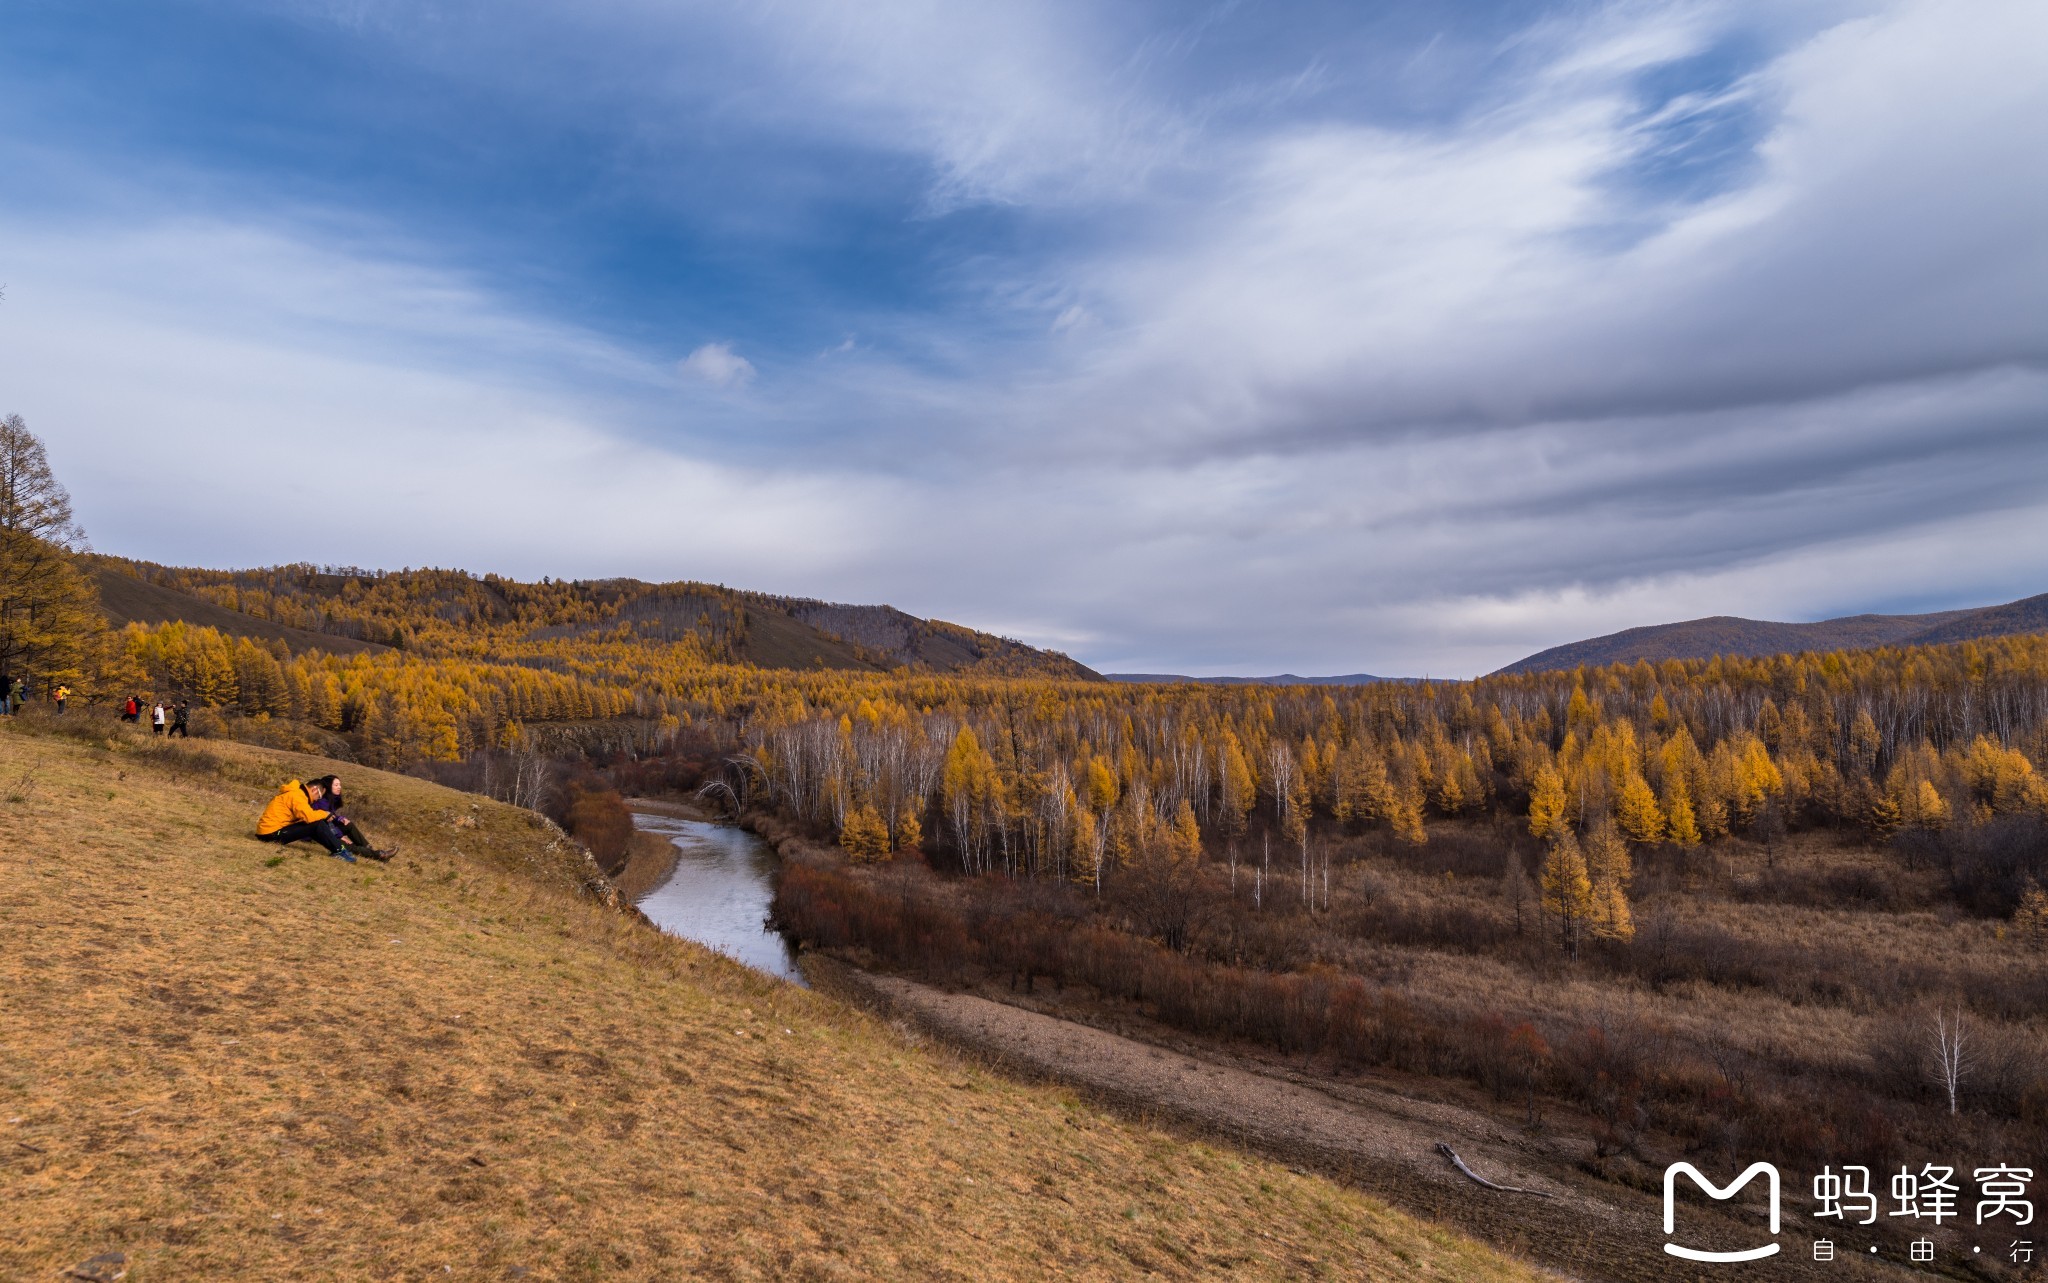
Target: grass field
point(227, 1065)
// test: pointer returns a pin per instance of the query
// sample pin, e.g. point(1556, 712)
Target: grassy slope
point(774, 640)
point(128, 600)
point(318, 1071)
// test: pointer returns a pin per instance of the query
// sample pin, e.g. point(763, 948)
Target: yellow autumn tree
point(1607, 857)
point(1756, 779)
point(1636, 810)
point(1567, 890)
point(1546, 803)
point(1611, 918)
point(1238, 791)
point(968, 784)
point(2001, 778)
point(909, 829)
point(1579, 715)
point(1609, 872)
point(865, 837)
point(1680, 825)
point(1930, 809)
point(1184, 836)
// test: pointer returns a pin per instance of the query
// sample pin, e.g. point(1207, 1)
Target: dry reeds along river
point(719, 893)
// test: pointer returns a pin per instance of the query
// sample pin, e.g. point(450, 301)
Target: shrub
point(595, 815)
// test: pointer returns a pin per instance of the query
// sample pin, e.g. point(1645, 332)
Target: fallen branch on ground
point(1477, 1179)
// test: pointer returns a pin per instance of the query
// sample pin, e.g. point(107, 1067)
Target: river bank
point(707, 882)
point(1382, 1137)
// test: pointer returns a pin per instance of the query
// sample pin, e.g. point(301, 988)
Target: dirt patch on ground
point(1376, 1139)
point(675, 810)
point(650, 859)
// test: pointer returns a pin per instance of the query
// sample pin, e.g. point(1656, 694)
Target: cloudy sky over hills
point(1253, 338)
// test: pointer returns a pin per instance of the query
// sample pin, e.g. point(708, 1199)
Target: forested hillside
point(442, 612)
point(1036, 774)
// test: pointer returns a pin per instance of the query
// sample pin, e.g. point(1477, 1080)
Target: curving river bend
point(719, 893)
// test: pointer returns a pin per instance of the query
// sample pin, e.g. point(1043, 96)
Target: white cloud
point(1353, 394)
point(216, 394)
point(717, 365)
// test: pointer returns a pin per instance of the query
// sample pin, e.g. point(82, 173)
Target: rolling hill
point(345, 611)
point(1733, 635)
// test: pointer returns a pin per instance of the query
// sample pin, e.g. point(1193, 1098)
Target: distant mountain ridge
point(1283, 679)
point(1753, 638)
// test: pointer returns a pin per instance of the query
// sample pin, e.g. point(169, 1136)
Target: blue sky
point(1314, 337)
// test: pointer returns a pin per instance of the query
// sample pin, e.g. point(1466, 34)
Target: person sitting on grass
point(330, 802)
point(293, 817)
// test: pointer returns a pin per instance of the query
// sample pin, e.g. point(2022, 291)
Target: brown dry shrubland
point(1751, 1016)
point(227, 1065)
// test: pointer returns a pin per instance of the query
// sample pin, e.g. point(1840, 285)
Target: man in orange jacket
point(292, 817)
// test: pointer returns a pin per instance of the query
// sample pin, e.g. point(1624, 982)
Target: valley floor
point(1358, 1132)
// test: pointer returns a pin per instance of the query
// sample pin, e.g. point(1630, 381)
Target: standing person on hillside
point(156, 719)
point(181, 718)
point(17, 695)
point(330, 802)
point(293, 817)
point(59, 695)
point(6, 694)
point(132, 710)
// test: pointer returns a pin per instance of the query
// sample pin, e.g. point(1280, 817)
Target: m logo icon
point(1714, 1191)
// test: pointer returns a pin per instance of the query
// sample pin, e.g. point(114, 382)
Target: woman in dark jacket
point(330, 802)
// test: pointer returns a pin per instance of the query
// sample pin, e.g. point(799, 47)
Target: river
point(719, 893)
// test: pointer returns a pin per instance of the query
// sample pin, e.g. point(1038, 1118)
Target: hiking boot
point(372, 853)
point(344, 856)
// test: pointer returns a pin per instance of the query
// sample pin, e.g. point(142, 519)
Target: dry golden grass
point(231, 1067)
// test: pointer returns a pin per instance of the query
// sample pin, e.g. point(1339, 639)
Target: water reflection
point(719, 893)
